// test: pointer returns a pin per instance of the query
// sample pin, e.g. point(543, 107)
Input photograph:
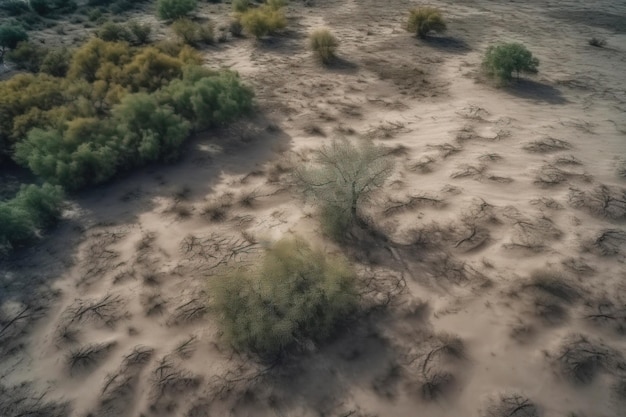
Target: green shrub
point(25, 93)
point(235, 28)
point(151, 69)
point(22, 218)
point(276, 4)
point(296, 295)
point(46, 7)
point(80, 156)
point(27, 56)
point(423, 20)
point(208, 99)
point(41, 7)
point(56, 62)
point(14, 7)
point(263, 21)
point(99, 60)
point(502, 60)
point(324, 44)
point(147, 130)
point(240, 6)
point(141, 32)
point(174, 9)
point(10, 36)
point(193, 33)
point(114, 32)
point(344, 178)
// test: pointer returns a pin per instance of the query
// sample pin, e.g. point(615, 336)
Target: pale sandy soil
point(491, 185)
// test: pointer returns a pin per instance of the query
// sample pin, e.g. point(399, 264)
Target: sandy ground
point(505, 279)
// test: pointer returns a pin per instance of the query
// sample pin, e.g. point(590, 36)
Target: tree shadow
point(449, 44)
point(535, 91)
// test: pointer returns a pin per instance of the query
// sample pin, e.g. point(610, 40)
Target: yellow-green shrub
point(324, 44)
point(193, 33)
point(263, 21)
point(295, 295)
point(423, 20)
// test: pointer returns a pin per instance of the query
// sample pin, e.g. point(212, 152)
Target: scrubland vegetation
point(354, 260)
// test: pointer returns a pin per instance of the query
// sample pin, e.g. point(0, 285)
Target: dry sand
point(492, 185)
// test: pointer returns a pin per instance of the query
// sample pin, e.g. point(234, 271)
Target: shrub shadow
point(287, 42)
point(339, 64)
point(449, 44)
point(535, 91)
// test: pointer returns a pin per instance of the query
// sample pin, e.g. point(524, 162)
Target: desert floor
point(502, 277)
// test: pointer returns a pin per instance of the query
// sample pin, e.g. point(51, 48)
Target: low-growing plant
point(27, 56)
point(276, 4)
point(141, 32)
point(345, 176)
point(502, 60)
point(208, 99)
point(14, 7)
point(10, 36)
point(240, 6)
point(24, 216)
point(324, 44)
point(114, 32)
point(235, 28)
point(56, 62)
point(193, 33)
point(597, 42)
point(174, 9)
point(424, 20)
point(294, 296)
point(263, 21)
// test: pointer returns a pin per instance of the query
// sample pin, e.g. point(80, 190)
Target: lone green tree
point(502, 60)
point(343, 179)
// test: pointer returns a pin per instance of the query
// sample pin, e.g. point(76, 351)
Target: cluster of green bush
point(32, 209)
point(117, 108)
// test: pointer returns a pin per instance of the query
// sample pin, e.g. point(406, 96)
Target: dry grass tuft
point(580, 358)
point(23, 401)
point(554, 284)
point(607, 242)
point(547, 145)
point(602, 201)
point(324, 44)
point(510, 405)
point(86, 358)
